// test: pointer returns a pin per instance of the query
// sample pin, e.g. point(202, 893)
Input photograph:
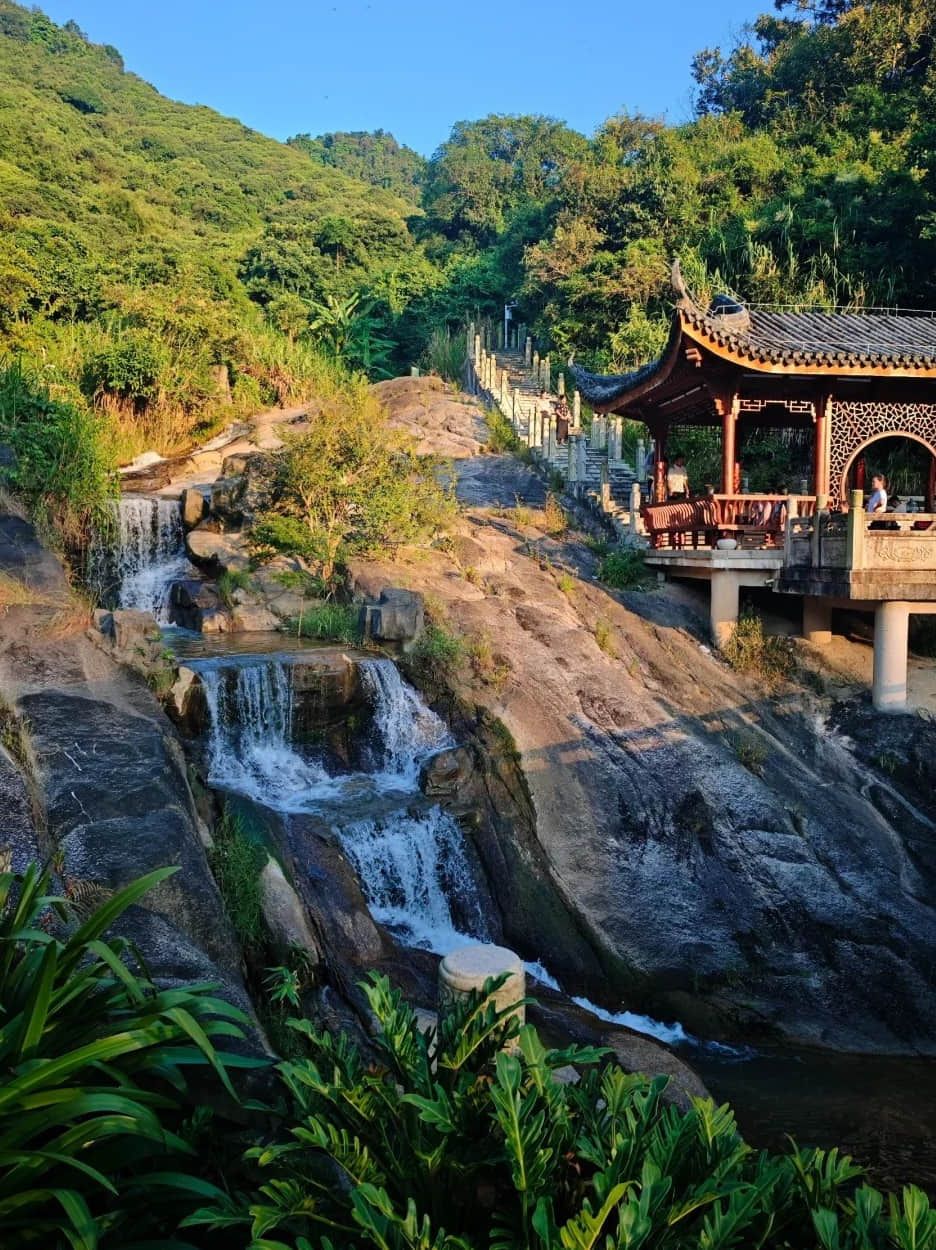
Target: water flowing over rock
point(148, 553)
point(416, 876)
point(409, 731)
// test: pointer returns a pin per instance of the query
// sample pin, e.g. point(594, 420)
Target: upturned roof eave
point(776, 360)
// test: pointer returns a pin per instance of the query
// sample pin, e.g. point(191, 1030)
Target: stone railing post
point(605, 487)
point(528, 351)
point(635, 507)
point(477, 350)
point(469, 347)
point(466, 969)
point(560, 385)
point(639, 456)
point(576, 410)
point(854, 543)
point(546, 372)
point(551, 443)
point(572, 468)
point(582, 452)
point(819, 519)
point(536, 368)
point(500, 336)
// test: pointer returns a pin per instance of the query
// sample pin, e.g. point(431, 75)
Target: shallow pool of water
point(880, 1110)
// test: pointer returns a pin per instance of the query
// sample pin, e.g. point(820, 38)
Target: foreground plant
point(95, 1062)
point(450, 1141)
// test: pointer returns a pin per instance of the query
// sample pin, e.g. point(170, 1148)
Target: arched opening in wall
point(907, 463)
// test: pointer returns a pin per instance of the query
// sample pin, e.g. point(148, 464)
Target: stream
point(421, 879)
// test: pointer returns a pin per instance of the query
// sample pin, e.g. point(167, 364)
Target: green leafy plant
point(624, 569)
point(330, 622)
point(237, 858)
point(230, 581)
point(750, 751)
point(95, 1063)
point(604, 636)
point(464, 1135)
point(436, 657)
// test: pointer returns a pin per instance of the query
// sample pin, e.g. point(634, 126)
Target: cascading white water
point(250, 713)
point(408, 730)
point(412, 868)
point(150, 553)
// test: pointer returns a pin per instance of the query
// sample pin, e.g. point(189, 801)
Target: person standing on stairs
point(562, 422)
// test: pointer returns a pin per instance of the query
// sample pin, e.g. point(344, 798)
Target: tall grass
point(445, 354)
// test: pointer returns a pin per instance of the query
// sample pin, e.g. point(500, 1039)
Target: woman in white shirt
point(877, 501)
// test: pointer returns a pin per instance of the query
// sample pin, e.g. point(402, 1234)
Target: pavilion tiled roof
point(817, 341)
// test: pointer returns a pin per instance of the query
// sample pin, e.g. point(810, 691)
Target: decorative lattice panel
point(854, 424)
point(799, 407)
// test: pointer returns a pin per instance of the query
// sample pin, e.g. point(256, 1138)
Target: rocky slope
point(731, 857)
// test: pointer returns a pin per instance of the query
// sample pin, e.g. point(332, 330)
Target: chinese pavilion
point(848, 379)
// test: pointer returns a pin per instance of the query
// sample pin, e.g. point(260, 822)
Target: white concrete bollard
point(466, 969)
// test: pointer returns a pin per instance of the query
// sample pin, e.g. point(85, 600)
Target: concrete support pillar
point(465, 970)
point(723, 608)
point(889, 686)
point(817, 620)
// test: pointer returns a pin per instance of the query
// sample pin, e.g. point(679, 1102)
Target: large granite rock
point(397, 616)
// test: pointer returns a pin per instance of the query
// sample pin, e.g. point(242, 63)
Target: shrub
point(449, 1141)
point(352, 485)
point(331, 622)
point(604, 636)
point(566, 583)
point(750, 751)
point(623, 569)
point(555, 520)
point(129, 368)
point(502, 437)
point(749, 651)
point(63, 467)
point(94, 1059)
point(436, 656)
point(274, 533)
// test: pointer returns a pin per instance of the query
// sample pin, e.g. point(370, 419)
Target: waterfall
point(250, 714)
point(408, 730)
point(149, 553)
point(414, 870)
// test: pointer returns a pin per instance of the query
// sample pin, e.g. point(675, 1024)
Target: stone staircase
point(591, 465)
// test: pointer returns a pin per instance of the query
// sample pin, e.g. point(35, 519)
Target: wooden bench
point(668, 524)
point(709, 518)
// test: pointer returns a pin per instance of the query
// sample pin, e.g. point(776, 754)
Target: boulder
point(252, 617)
point(194, 507)
point(217, 552)
point(397, 616)
point(285, 915)
point(192, 602)
point(133, 630)
point(446, 772)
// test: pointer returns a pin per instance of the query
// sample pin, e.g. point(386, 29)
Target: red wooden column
point(727, 408)
point(821, 448)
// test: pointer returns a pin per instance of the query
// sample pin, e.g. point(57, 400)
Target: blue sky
point(413, 67)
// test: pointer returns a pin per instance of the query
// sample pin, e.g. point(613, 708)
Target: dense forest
point(170, 266)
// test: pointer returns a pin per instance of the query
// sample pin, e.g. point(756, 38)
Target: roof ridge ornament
point(683, 299)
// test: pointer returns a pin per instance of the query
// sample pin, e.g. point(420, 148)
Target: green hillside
point(144, 243)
